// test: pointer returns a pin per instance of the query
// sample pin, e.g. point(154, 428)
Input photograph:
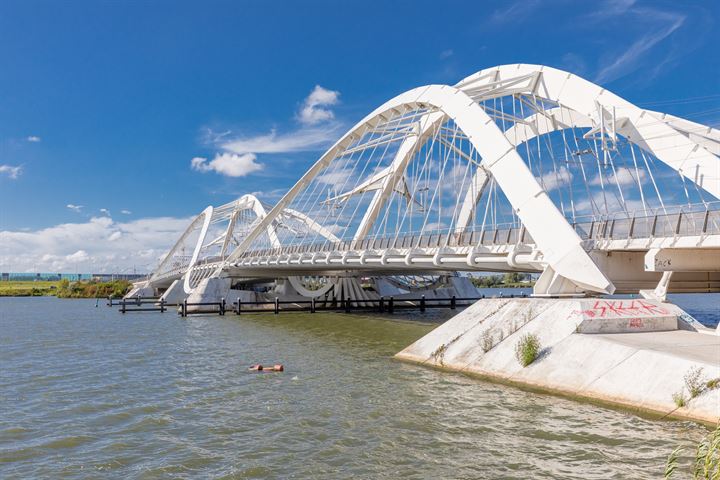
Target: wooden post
point(183, 310)
point(122, 306)
point(391, 305)
point(222, 306)
point(239, 303)
point(452, 303)
point(347, 304)
point(422, 303)
point(277, 305)
point(381, 304)
point(312, 305)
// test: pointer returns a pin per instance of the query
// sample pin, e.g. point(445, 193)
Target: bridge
point(516, 168)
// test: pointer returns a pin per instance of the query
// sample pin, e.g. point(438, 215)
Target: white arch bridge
point(517, 168)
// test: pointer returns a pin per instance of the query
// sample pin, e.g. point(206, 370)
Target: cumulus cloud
point(314, 109)
point(126, 212)
point(239, 153)
point(33, 139)
point(96, 246)
point(623, 176)
point(228, 164)
point(11, 171)
point(74, 208)
point(105, 211)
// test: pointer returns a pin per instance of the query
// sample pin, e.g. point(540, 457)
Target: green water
point(87, 392)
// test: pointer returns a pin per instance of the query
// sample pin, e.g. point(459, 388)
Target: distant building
point(32, 277)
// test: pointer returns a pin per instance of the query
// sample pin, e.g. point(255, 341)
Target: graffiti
point(623, 309)
point(662, 263)
point(635, 323)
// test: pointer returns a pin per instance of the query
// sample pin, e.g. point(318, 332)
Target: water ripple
point(86, 392)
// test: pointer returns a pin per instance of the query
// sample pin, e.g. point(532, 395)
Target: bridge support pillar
point(175, 293)
point(216, 289)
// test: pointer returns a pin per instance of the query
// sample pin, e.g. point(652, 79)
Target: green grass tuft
point(679, 399)
point(694, 382)
point(527, 349)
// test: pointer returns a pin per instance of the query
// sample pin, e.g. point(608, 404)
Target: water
point(86, 392)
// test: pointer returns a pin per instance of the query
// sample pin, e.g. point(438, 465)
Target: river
point(86, 392)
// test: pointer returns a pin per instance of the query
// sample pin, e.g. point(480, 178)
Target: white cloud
point(515, 12)
point(553, 181)
point(105, 211)
point(447, 53)
point(229, 164)
point(11, 171)
point(622, 176)
point(99, 245)
point(126, 212)
point(662, 25)
point(610, 8)
point(78, 257)
point(74, 208)
point(305, 139)
point(314, 109)
point(238, 156)
point(33, 139)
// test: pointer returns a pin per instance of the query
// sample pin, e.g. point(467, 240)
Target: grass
point(527, 349)
point(679, 399)
point(64, 288)
point(694, 382)
point(487, 341)
point(28, 288)
point(706, 463)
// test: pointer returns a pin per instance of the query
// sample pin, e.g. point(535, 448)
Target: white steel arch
point(559, 243)
point(230, 212)
point(610, 113)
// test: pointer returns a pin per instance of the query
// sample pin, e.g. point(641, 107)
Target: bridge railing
point(682, 223)
point(491, 236)
point(701, 219)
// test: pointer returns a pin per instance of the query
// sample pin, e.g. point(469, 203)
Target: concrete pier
point(633, 353)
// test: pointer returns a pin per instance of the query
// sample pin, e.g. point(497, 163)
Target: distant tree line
point(92, 289)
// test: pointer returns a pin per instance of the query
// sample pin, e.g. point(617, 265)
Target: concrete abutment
point(633, 353)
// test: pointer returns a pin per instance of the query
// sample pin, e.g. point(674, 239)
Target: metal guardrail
point(684, 221)
point(665, 225)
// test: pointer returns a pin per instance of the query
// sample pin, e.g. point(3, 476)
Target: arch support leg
point(552, 284)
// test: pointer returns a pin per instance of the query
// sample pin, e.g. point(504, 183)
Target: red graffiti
point(623, 308)
point(635, 323)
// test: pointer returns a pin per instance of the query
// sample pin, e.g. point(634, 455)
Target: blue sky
point(131, 117)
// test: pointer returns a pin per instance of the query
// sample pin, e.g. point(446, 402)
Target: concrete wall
point(639, 367)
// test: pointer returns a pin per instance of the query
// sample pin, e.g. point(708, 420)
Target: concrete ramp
point(623, 352)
